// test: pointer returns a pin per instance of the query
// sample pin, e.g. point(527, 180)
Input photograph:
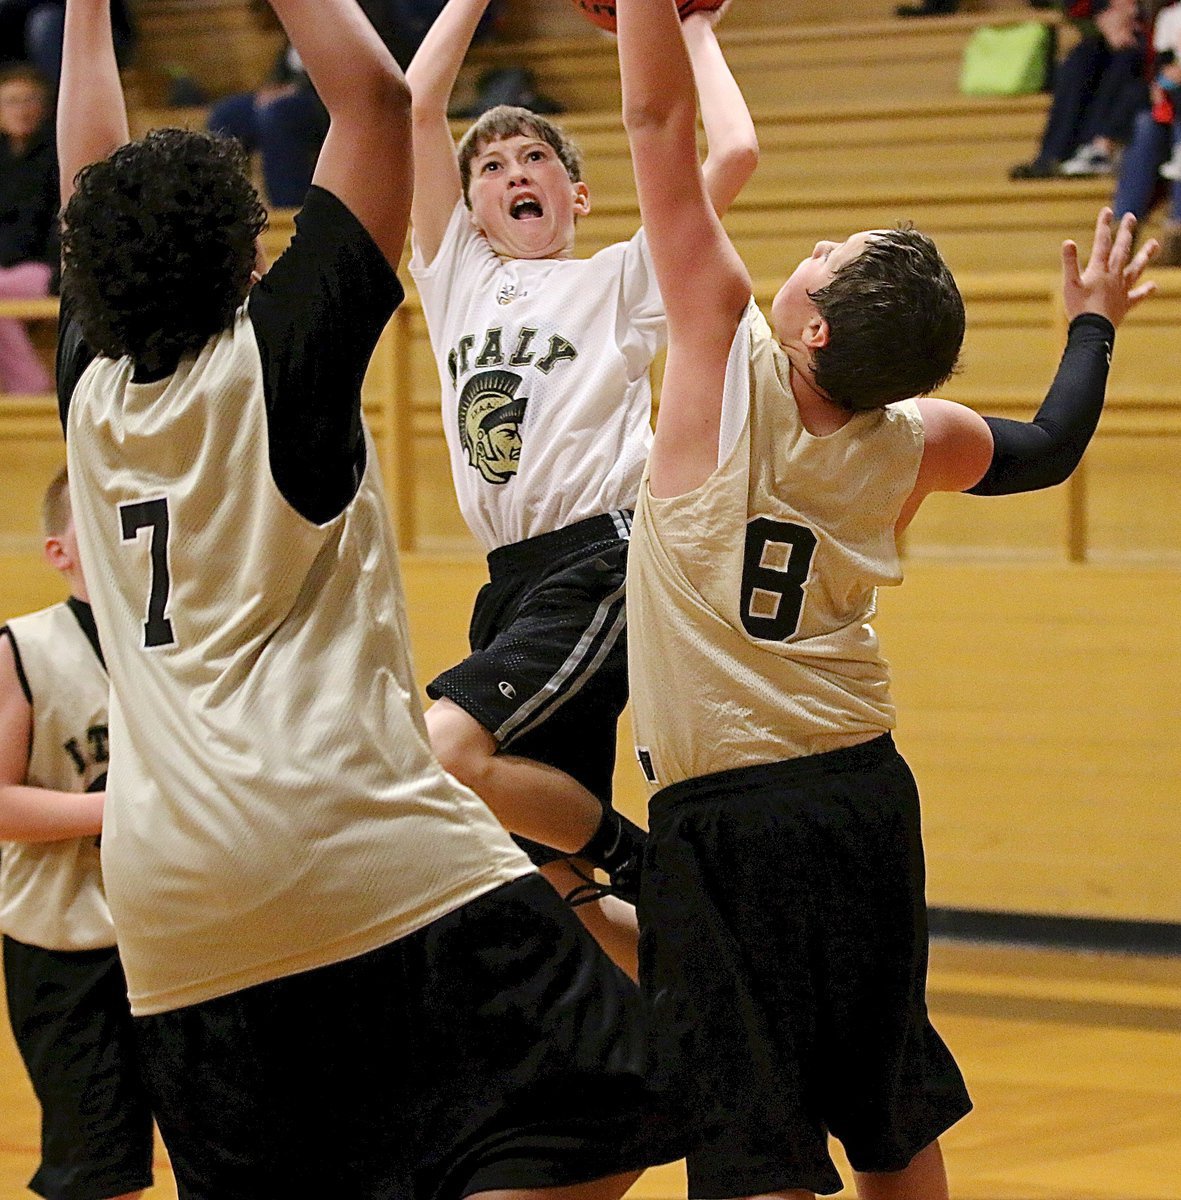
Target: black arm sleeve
point(73, 356)
point(1028, 455)
point(317, 315)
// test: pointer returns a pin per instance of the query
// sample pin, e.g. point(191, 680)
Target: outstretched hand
point(1110, 283)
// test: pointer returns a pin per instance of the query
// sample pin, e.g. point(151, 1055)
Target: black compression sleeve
point(1028, 455)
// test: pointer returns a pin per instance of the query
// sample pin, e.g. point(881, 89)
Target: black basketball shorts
point(783, 959)
point(497, 1048)
point(73, 1027)
point(547, 675)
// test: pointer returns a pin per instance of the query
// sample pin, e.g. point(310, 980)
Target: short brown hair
point(55, 505)
point(25, 73)
point(506, 121)
point(896, 323)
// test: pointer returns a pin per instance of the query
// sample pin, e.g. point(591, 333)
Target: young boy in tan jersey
point(67, 997)
point(544, 360)
point(784, 939)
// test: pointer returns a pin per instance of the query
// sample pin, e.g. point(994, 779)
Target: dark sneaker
point(1039, 168)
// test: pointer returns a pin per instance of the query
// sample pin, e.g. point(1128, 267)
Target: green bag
point(1007, 60)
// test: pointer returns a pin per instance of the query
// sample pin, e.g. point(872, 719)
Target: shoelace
point(590, 889)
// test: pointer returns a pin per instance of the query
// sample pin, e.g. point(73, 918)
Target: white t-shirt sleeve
point(451, 267)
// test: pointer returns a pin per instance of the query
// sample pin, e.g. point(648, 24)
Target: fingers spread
point(1070, 262)
point(1135, 268)
point(1101, 245)
point(1122, 249)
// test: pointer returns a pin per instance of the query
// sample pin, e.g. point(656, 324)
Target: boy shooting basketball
point(782, 901)
point(543, 360)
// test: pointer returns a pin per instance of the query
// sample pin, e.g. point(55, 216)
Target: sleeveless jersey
point(51, 893)
point(544, 369)
point(273, 802)
point(750, 599)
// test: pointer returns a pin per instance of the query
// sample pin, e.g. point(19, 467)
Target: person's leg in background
point(21, 369)
point(1075, 80)
point(1121, 92)
point(236, 116)
point(1138, 176)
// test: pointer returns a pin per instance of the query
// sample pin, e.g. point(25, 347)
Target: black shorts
point(73, 1027)
point(496, 1048)
point(547, 675)
point(783, 959)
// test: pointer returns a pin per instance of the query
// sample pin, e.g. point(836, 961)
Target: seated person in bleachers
point(1153, 151)
point(29, 245)
point(1099, 87)
point(32, 30)
point(284, 122)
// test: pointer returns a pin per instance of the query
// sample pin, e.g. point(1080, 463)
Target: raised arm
point(366, 160)
point(30, 814)
point(432, 77)
point(994, 456)
point(91, 110)
point(733, 145)
point(704, 283)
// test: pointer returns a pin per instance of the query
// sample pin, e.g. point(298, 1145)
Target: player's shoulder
point(38, 619)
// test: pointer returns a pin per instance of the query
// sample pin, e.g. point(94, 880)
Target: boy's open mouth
point(525, 209)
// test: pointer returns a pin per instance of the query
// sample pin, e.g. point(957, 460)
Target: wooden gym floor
point(1074, 1062)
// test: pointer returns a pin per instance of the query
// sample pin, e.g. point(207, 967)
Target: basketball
point(602, 12)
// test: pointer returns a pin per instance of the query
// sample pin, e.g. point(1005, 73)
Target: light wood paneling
point(1037, 705)
point(1038, 708)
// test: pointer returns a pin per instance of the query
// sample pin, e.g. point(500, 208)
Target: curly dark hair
point(506, 121)
point(896, 322)
point(158, 245)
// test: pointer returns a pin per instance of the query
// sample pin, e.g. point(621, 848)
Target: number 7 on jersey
point(153, 516)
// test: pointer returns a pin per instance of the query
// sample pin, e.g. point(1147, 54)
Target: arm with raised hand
point(366, 160)
point(733, 145)
point(995, 456)
point(432, 76)
point(91, 110)
point(704, 283)
point(33, 814)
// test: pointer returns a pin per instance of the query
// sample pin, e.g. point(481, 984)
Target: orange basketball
point(602, 12)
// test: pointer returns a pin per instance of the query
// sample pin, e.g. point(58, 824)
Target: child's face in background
point(523, 200)
point(23, 108)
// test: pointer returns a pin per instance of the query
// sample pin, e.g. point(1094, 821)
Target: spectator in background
point(32, 30)
point(1155, 138)
point(29, 246)
point(284, 121)
point(1099, 87)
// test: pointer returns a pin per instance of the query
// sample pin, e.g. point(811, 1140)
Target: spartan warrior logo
point(490, 416)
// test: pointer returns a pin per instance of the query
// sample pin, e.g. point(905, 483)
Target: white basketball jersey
point(51, 893)
point(750, 599)
point(544, 368)
point(273, 802)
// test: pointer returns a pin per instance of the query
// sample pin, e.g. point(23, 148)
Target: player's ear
point(582, 205)
point(816, 332)
point(56, 554)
